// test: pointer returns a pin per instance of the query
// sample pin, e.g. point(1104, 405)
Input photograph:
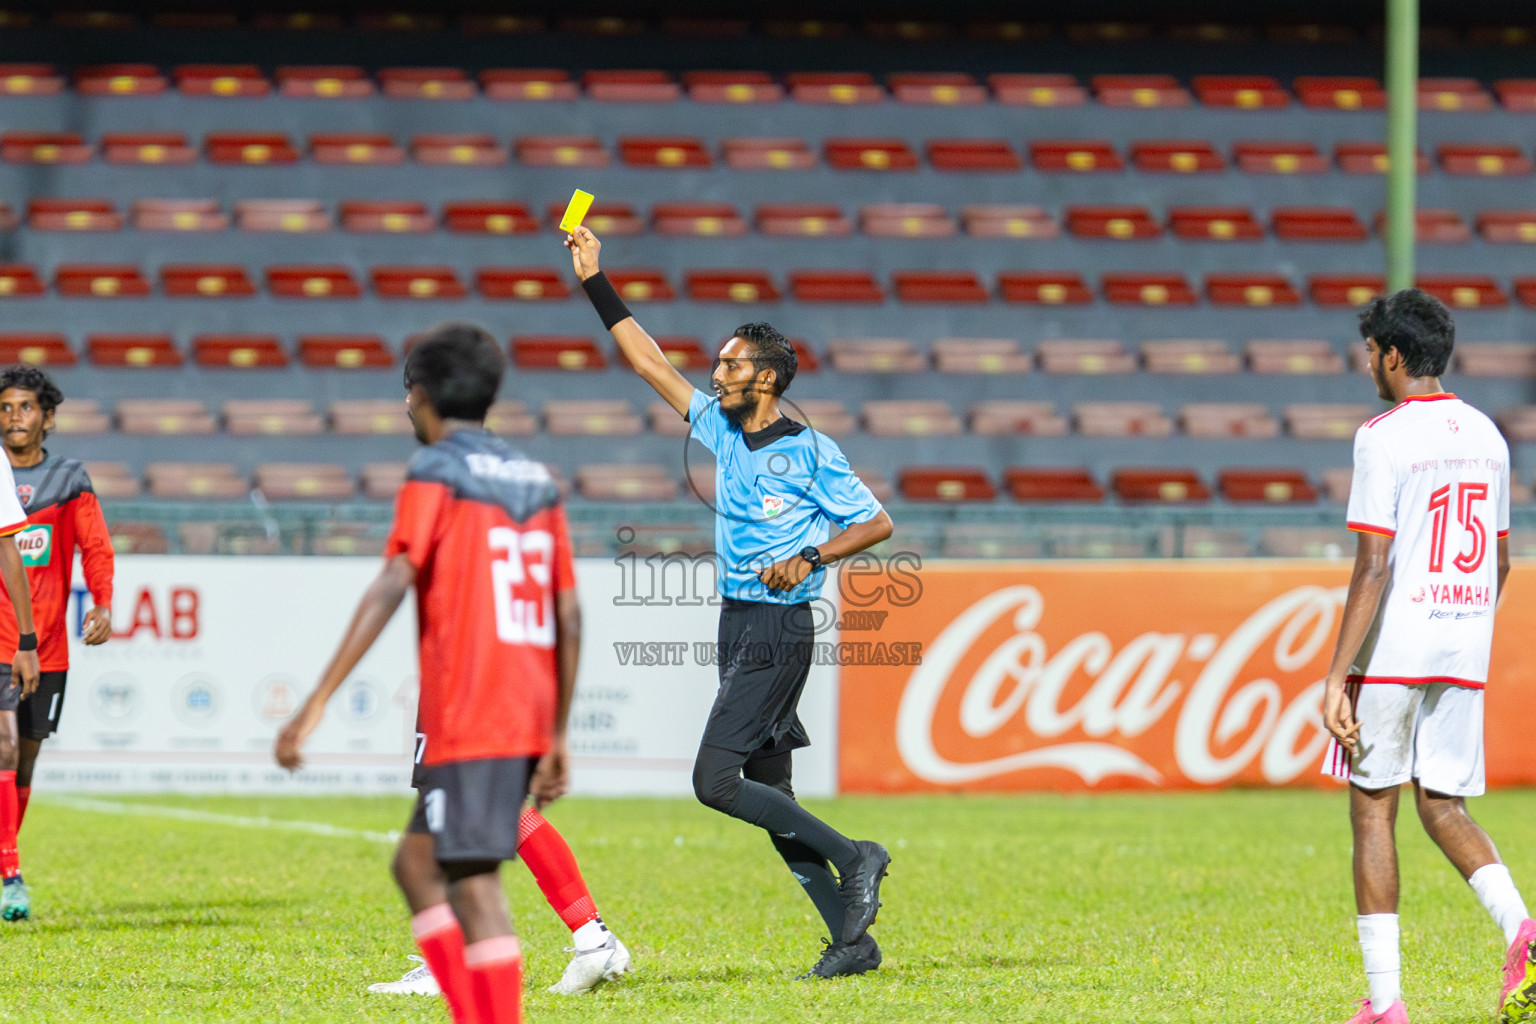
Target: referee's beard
point(742, 402)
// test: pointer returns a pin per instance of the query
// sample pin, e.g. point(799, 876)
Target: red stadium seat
point(638, 284)
point(1214, 223)
point(324, 81)
point(804, 220)
point(1315, 422)
point(625, 482)
point(35, 348)
point(1464, 291)
point(839, 87)
point(1122, 223)
point(937, 88)
point(344, 351)
point(1345, 289)
point(834, 286)
point(489, 217)
point(1370, 158)
point(1084, 356)
point(529, 284)
point(1274, 486)
point(293, 215)
point(1507, 225)
point(603, 218)
point(703, 220)
point(1035, 419)
point(682, 351)
point(591, 417)
point(215, 480)
point(289, 481)
point(1244, 92)
point(938, 286)
point(1483, 160)
point(631, 86)
point(1285, 356)
point(561, 151)
point(240, 352)
point(1228, 419)
point(1189, 355)
point(875, 355)
point(664, 151)
point(1178, 156)
point(527, 84)
point(253, 148)
point(908, 418)
point(150, 148)
point(8, 220)
point(906, 220)
point(1165, 485)
point(1238, 289)
point(1517, 94)
point(1121, 419)
point(102, 281)
point(85, 416)
point(1279, 158)
point(1318, 224)
point(980, 355)
point(1000, 221)
point(73, 215)
point(112, 480)
point(221, 80)
point(732, 87)
point(1525, 290)
point(205, 281)
point(1078, 155)
point(369, 215)
point(806, 356)
point(993, 155)
point(1028, 90)
point(945, 483)
point(1137, 289)
point(119, 80)
point(730, 286)
point(1041, 483)
point(557, 352)
point(1048, 288)
point(18, 280)
point(312, 282)
point(1336, 93)
point(370, 416)
point(1143, 91)
point(135, 350)
point(1441, 226)
point(427, 83)
point(510, 419)
point(178, 215)
point(360, 148)
point(772, 154)
point(870, 155)
point(30, 80)
point(458, 151)
point(417, 283)
point(44, 148)
point(1514, 360)
point(1453, 94)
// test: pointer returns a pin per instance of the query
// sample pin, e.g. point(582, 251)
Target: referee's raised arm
point(638, 347)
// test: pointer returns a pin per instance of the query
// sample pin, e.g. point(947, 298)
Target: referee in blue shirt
point(778, 484)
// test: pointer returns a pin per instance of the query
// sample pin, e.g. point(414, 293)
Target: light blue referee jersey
point(776, 491)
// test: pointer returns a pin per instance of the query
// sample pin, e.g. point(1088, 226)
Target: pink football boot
point(1517, 999)
point(1397, 1013)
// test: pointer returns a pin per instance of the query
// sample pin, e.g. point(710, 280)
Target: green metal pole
point(1402, 140)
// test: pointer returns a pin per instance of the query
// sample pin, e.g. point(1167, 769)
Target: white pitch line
point(209, 818)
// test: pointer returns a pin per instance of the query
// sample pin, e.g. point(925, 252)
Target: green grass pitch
point(1219, 907)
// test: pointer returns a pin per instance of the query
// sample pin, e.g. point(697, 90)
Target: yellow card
point(581, 202)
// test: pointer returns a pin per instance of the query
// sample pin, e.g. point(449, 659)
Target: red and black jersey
point(62, 514)
point(485, 530)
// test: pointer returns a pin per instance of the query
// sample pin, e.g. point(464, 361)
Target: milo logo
point(35, 544)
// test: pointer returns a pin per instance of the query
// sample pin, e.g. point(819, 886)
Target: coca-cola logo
point(1233, 715)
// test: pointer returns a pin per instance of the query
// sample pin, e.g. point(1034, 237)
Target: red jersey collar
point(1440, 397)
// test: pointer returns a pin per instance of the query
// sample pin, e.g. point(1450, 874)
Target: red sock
point(23, 794)
point(554, 867)
point(442, 945)
point(10, 820)
point(496, 974)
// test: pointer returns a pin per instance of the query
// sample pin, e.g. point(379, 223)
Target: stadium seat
point(528, 284)
point(839, 87)
point(8, 220)
point(119, 80)
point(1453, 94)
point(290, 481)
point(489, 217)
point(848, 154)
point(1176, 156)
point(1046, 287)
point(1483, 160)
point(1189, 356)
point(100, 280)
point(768, 154)
point(591, 416)
point(992, 155)
point(73, 215)
point(1325, 422)
point(1306, 542)
point(1250, 290)
point(19, 280)
point(1135, 289)
point(111, 479)
point(1121, 419)
point(1214, 542)
point(875, 355)
point(344, 351)
point(44, 148)
point(182, 480)
point(395, 217)
point(1036, 419)
point(730, 286)
point(1080, 541)
point(732, 87)
point(138, 538)
point(1318, 224)
point(938, 286)
point(312, 282)
point(638, 284)
point(1517, 94)
point(937, 88)
point(828, 415)
point(293, 215)
point(631, 86)
point(178, 215)
point(1371, 158)
point(1214, 223)
point(1079, 155)
point(1438, 226)
point(164, 416)
point(560, 151)
point(1140, 91)
point(537, 84)
point(664, 420)
point(986, 540)
point(82, 416)
point(802, 220)
point(239, 351)
point(980, 355)
point(834, 286)
point(557, 352)
point(603, 218)
point(147, 148)
point(1337, 483)
point(205, 281)
point(625, 481)
point(1517, 423)
point(1336, 93)
point(1049, 483)
point(1507, 225)
point(1031, 90)
point(703, 220)
point(370, 416)
point(1510, 360)
point(945, 483)
point(250, 148)
point(459, 151)
point(511, 419)
point(1008, 221)
point(136, 350)
point(37, 348)
point(671, 151)
point(906, 220)
point(1278, 158)
point(229, 80)
point(1117, 222)
point(426, 84)
point(381, 481)
point(1083, 355)
point(1228, 419)
point(273, 416)
point(1166, 485)
point(30, 80)
point(324, 81)
point(1285, 356)
point(1243, 92)
point(416, 283)
point(1464, 291)
point(1345, 289)
point(805, 356)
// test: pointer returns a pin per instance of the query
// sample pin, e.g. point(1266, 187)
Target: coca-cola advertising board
point(1090, 676)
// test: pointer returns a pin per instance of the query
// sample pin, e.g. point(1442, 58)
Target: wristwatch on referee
point(811, 554)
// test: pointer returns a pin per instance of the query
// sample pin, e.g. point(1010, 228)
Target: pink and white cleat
point(1397, 1013)
point(1517, 999)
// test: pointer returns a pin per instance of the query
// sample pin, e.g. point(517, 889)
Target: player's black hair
point(460, 367)
point(30, 378)
point(773, 352)
point(1416, 324)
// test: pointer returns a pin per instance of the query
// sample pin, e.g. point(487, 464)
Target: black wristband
point(27, 642)
point(605, 299)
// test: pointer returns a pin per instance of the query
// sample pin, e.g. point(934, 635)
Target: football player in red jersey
point(62, 514)
point(480, 533)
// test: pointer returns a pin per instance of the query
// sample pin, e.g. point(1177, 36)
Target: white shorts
point(1432, 733)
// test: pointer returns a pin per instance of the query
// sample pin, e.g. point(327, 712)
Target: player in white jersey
point(1404, 696)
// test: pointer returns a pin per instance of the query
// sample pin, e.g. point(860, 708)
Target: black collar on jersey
point(781, 427)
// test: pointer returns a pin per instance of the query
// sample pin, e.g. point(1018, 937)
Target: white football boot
point(586, 971)
point(417, 981)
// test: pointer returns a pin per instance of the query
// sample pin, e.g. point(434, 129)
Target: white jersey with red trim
point(1433, 474)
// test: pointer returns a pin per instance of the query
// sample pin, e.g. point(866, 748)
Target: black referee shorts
point(765, 652)
point(37, 716)
point(471, 809)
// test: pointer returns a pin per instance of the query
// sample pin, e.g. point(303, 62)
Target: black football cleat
point(860, 890)
point(840, 960)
